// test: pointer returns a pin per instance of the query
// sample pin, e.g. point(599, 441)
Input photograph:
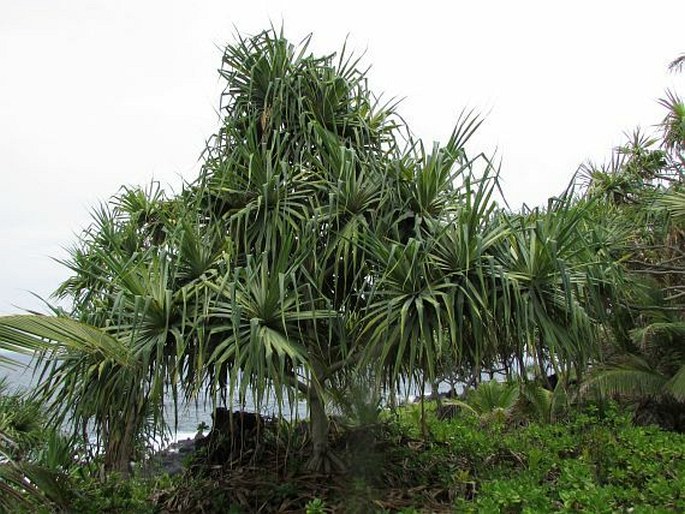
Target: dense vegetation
point(507, 458)
point(324, 254)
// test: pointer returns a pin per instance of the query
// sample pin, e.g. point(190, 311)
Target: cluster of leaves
point(43, 471)
point(35, 459)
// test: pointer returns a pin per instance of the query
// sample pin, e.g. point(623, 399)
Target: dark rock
point(232, 432)
point(550, 382)
point(171, 459)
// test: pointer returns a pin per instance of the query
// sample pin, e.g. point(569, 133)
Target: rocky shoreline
point(170, 460)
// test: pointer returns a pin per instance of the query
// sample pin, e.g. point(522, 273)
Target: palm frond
point(630, 376)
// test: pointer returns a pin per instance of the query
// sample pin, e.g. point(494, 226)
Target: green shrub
point(115, 495)
point(596, 461)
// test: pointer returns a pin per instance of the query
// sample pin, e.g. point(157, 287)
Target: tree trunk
point(119, 450)
point(322, 460)
point(318, 431)
point(424, 427)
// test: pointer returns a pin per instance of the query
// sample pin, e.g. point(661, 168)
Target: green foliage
point(643, 205)
point(116, 495)
point(315, 506)
point(92, 377)
point(21, 421)
point(35, 460)
point(500, 402)
point(596, 462)
point(491, 402)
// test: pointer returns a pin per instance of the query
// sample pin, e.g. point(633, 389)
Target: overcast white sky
point(95, 94)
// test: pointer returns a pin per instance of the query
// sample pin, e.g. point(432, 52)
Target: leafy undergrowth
point(594, 462)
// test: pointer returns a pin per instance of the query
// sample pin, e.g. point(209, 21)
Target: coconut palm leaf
point(674, 201)
point(36, 331)
point(629, 375)
point(676, 384)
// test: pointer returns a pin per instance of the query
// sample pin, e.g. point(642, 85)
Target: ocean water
point(188, 416)
point(20, 376)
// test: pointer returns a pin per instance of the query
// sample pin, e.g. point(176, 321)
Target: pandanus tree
point(319, 244)
point(107, 364)
point(301, 168)
point(252, 279)
point(330, 209)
